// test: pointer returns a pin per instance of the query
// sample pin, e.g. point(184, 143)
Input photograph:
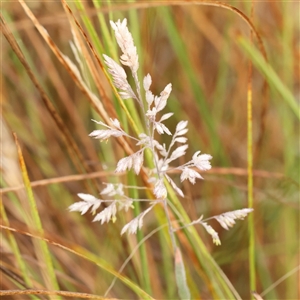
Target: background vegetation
point(204, 51)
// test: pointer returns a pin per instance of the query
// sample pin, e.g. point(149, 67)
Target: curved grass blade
point(270, 75)
point(85, 254)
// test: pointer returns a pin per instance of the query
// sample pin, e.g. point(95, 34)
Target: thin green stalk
point(263, 271)
point(41, 246)
point(90, 28)
point(145, 278)
point(107, 40)
point(15, 249)
point(167, 263)
point(182, 54)
point(250, 193)
point(215, 279)
point(252, 269)
point(291, 168)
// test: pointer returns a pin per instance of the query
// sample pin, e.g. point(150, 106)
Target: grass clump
point(143, 165)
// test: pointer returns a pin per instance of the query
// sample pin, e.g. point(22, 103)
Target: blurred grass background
point(197, 49)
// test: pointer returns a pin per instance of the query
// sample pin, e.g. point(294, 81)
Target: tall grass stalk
point(252, 259)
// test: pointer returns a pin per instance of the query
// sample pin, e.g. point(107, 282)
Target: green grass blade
point(216, 280)
point(145, 278)
point(16, 251)
point(272, 78)
point(199, 96)
point(183, 290)
point(90, 28)
point(42, 250)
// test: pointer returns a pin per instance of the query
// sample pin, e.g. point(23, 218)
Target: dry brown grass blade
point(11, 274)
point(51, 293)
point(15, 273)
point(257, 296)
point(80, 177)
point(120, 100)
point(67, 137)
point(263, 120)
point(61, 179)
point(68, 64)
point(75, 26)
point(64, 94)
point(74, 72)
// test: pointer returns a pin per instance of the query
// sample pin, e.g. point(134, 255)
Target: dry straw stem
point(70, 67)
point(81, 47)
point(50, 293)
point(65, 61)
point(251, 251)
point(95, 73)
point(99, 174)
point(83, 253)
point(64, 94)
point(257, 296)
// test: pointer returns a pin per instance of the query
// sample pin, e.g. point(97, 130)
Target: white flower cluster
point(163, 155)
point(108, 213)
point(226, 220)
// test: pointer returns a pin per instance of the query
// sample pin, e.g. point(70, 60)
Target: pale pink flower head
point(125, 41)
point(202, 161)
